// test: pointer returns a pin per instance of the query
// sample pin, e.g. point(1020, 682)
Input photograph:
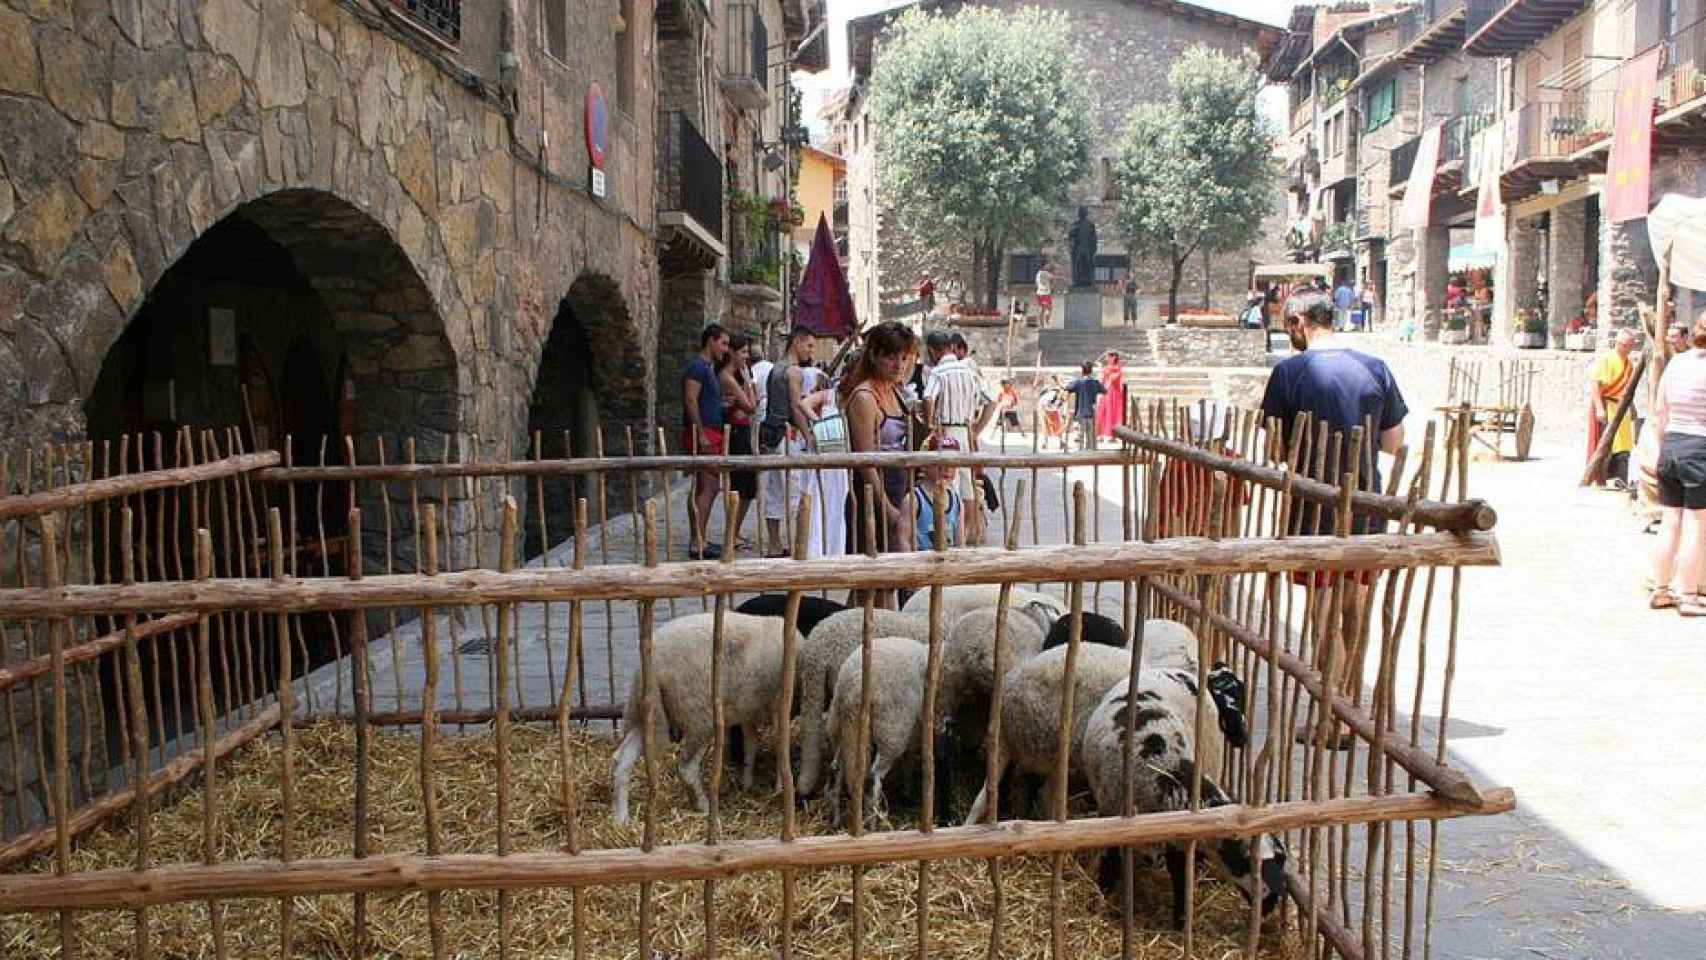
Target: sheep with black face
point(1167, 754)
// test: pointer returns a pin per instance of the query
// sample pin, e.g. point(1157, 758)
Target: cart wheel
point(1524, 431)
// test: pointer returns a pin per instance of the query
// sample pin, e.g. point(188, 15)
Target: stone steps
point(1165, 383)
point(1069, 348)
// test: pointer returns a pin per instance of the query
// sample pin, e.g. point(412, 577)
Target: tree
point(1196, 172)
point(984, 126)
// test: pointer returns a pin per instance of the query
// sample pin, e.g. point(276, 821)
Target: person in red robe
point(1110, 407)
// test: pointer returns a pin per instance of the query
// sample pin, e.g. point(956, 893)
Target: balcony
point(441, 18)
point(1460, 134)
point(690, 195)
point(1433, 29)
point(1505, 28)
point(746, 68)
point(1365, 224)
point(1303, 114)
point(1682, 78)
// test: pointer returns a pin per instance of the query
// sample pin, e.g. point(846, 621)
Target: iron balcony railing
point(747, 44)
point(690, 176)
point(1460, 133)
point(1404, 160)
point(1683, 75)
point(442, 18)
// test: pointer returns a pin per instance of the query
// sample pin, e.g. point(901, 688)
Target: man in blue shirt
point(1084, 392)
point(1343, 388)
point(702, 429)
point(1344, 299)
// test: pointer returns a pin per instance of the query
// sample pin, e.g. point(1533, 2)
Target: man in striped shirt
point(951, 401)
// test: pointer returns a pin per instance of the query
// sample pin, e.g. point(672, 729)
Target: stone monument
point(1083, 301)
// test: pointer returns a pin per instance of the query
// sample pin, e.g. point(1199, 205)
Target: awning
point(1292, 271)
point(1677, 224)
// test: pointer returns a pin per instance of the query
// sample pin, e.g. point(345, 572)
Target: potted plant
point(1454, 326)
point(1530, 330)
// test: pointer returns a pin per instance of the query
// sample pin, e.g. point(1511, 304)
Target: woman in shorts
point(1680, 420)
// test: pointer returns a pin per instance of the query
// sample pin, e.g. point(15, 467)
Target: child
point(1085, 390)
point(1052, 403)
point(936, 482)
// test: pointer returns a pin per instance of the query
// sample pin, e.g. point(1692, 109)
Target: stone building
point(1542, 77)
point(380, 220)
point(1126, 49)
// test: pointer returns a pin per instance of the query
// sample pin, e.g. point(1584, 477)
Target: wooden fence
point(160, 619)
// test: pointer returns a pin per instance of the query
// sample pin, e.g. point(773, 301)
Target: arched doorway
point(591, 377)
point(296, 315)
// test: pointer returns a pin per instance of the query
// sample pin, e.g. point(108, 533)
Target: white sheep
point(820, 656)
point(1166, 643)
point(897, 701)
point(681, 676)
point(1167, 755)
point(1030, 710)
point(961, 599)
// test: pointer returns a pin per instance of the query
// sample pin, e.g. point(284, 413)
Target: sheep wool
point(897, 700)
point(820, 656)
point(681, 654)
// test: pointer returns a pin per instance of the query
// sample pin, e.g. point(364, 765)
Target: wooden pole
point(1460, 517)
point(80, 494)
point(1609, 434)
point(401, 873)
point(631, 582)
point(95, 648)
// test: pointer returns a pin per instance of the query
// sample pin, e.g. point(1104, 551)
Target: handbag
point(829, 433)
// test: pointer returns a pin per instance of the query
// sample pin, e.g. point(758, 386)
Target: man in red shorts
point(702, 431)
point(1343, 388)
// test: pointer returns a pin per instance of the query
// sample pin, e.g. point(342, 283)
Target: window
point(625, 57)
point(1110, 267)
point(1022, 268)
point(556, 28)
point(1382, 103)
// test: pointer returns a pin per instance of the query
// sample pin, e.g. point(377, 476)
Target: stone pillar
point(1627, 272)
point(1515, 284)
point(1566, 268)
point(1433, 258)
point(1400, 292)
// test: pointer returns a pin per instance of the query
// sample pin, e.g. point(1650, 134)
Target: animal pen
point(259, 708)
point(1512, 412)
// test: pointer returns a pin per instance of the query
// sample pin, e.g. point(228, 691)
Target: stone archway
point(591, 376)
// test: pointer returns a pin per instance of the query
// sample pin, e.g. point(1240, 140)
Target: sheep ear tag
point(1228, 693)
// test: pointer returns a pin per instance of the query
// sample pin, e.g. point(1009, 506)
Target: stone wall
point(1188, 347)
point(127, 134)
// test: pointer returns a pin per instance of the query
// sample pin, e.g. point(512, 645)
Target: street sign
point(597, 182)
point(597, 126)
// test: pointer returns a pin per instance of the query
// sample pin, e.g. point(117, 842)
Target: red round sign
point(597, 125)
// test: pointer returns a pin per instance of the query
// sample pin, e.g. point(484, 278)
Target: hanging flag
point(1489, 204)
point(1628, 177)
point(1418, 194)
point(825, 302)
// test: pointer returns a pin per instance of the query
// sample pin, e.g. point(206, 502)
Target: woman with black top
point(877, 421)
point(740, 402)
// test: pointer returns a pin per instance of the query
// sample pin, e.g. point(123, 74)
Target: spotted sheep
point(1166, 757)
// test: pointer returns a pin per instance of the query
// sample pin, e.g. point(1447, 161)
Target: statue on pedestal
point(1082, 241)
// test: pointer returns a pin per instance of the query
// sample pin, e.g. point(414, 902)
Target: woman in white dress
point(828, 535)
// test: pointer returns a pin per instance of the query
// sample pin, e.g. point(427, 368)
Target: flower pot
point(1529, 341)
point(1454, 336)
point(1578, 341)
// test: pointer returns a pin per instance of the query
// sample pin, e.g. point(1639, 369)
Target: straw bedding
point(749, 907)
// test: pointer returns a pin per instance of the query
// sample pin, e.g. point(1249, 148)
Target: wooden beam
point(1104, 561)
point(78, 494)
point(402, 873)
point(1459, 517)
point(15, 674)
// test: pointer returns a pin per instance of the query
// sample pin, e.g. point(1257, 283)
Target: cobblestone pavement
point(1556, 695)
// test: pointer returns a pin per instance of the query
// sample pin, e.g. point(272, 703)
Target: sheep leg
point(749, 744)
point(1108, 873)
point(879, 769)
point(627, 754)
point(1176, 873)
point(811, 732)
point(693, 748)
point(980, 806)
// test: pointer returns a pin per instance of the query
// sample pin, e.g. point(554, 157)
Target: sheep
point(968, 654)
point(813, 610)
point(897, 700)
point(1166, 643)
point(964, 598)
point(1030, 710)
point(1167, 755)
point(820, 656)
point(681, 652)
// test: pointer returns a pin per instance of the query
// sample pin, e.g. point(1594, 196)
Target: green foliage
point(1338, 236)
point(1196, 172)
point(985, 122)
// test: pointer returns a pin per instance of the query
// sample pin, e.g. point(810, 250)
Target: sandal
point(1663, 599)
point(1692, 607)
